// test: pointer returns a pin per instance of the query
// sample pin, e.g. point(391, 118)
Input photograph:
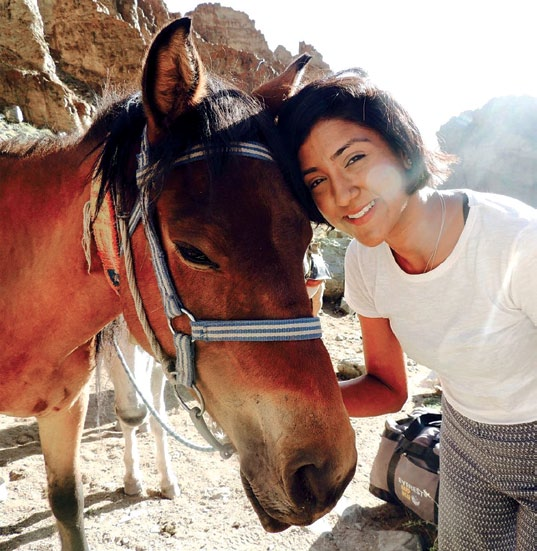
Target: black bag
point(405, 469)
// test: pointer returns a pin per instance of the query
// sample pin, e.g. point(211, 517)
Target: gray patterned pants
point(488, 485)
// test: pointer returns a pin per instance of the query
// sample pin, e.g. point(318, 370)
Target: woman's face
point(355, 179)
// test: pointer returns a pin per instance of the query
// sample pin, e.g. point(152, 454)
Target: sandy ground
point(212, 513)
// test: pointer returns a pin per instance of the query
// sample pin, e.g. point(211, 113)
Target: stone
point(351, 368)
point(14, 114)
point(397, 540)
point(333, 247)
point(57, 57)
point(3, 489)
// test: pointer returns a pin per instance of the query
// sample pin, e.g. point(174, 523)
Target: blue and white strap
point(253, 150)
point(298, 329)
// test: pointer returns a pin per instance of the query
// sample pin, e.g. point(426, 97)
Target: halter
point(183, 372)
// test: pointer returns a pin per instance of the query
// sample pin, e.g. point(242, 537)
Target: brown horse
point(218, 223)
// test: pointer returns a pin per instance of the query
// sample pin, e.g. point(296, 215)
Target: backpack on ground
point(406, 468)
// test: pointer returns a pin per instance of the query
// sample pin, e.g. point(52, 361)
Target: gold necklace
point(430, 262)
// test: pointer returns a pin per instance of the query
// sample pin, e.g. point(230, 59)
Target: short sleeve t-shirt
point(473, 319)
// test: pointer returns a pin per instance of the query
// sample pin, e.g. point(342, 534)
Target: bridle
point(181, 371)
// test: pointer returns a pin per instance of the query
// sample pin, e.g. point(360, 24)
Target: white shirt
point(473, 319)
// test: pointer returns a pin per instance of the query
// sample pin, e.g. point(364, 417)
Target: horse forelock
point(116, 132)
point(223, 118)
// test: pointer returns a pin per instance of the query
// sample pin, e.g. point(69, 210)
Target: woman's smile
point(362, 212)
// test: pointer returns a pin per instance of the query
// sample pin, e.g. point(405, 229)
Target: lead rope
point(151, 409)
point(158, 352)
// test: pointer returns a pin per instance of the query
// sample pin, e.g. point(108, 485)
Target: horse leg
point(132, 480)
point(315, 292)
point(169, 487)
point(60, 434)
point(130, 411)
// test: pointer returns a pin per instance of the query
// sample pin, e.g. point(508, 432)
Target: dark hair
point(350, 95)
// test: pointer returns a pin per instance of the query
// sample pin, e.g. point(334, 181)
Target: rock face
point(233, 47)
point(497, 148)
point(217, 24)
point(92, 42)
point(57, 56)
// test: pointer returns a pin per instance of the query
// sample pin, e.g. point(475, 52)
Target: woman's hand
point(383, 389)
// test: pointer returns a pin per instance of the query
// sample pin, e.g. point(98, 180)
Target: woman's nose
point(344, 191)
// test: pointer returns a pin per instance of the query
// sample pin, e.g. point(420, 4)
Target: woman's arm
point(383, 389)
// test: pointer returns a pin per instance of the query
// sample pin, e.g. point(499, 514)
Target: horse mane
point(226, 115)
point(21, 145)
point(35, 146)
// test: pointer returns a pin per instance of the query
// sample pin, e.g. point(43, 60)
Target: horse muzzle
point(310, 492)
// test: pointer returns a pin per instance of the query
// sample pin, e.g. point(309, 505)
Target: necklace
point(430, 262)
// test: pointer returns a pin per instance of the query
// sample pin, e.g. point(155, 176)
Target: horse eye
point(194, 256)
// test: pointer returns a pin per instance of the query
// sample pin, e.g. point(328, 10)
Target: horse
point(173, 209)
point(131, 409)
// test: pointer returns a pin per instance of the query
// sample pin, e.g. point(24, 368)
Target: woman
point(448, 277)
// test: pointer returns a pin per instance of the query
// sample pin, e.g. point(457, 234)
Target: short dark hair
point(350, 95)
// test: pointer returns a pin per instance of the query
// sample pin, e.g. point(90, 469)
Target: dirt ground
point(212, 513)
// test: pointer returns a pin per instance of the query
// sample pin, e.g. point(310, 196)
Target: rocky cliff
point(496, 146)
point(57, 56)
point(236, 49)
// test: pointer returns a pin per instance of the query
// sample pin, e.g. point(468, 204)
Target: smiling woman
point(346, 125)
point(418, 258)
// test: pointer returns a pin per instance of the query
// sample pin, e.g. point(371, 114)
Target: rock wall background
point(57, 56)
point(496, 146)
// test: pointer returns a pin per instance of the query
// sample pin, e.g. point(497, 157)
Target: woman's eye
point(194, 256)
point(355, 158)
point(314, 183)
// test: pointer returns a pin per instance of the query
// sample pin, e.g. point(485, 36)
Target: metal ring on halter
point(199, 396)
point(196, 415)
point(188, 314)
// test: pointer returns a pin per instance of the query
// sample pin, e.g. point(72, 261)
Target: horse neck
point(45, 196)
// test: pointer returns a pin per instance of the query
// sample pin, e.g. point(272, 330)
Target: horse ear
point(274, 92)
point(173, 76)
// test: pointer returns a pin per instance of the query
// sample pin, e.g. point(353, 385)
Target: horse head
point(231, 237)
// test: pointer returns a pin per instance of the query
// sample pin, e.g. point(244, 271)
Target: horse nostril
point(316, 488)
point(313, 489)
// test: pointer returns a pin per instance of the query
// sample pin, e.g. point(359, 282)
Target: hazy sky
point(438, 58)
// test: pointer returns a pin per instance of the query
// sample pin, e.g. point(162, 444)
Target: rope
point(158, 352)
point(152, 410)
point(86, 233)
point(196, 414)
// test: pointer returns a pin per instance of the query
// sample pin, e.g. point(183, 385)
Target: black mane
point(225, 116)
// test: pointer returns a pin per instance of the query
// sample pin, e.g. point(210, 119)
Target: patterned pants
point(488, 485)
